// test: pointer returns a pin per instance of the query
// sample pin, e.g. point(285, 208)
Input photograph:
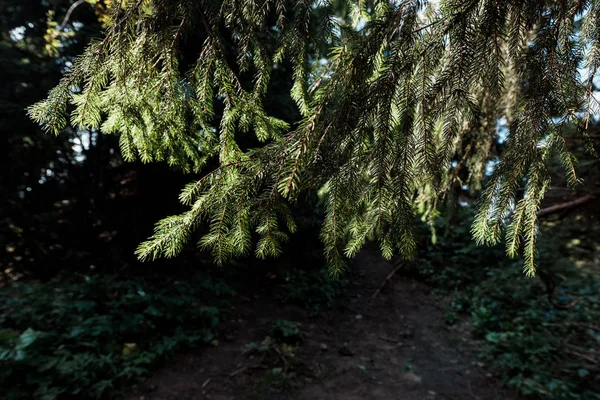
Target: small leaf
point(26, 339)
point(582, 372)
point(129, 348)
point(151, 310)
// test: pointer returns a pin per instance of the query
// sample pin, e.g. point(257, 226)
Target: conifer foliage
point(398, 99)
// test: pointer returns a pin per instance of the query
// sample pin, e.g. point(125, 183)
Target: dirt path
point(395, 346)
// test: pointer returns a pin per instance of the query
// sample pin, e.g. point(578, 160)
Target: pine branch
point(406, 105)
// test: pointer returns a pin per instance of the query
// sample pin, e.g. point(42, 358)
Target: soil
point(393, 346)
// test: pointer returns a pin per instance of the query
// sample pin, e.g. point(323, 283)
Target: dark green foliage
point(543, 347)
point(35, 171)
point(278, 380)
point(314, 290)
point(536, 348)
point(85, 339)
point(277, 353)
point(400, 103)
point(288, 332)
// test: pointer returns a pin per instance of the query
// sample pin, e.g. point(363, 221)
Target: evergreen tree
point(38, 169)
point(401, 101)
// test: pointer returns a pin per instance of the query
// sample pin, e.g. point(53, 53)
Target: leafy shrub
point(314, 290)
point(543, 346)
point(284, 331)
point(277, 354)
point(73, 339)
point(278, 380)
point(535, 347)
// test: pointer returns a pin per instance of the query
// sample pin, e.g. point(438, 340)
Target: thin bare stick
point(470, 390)
point(387, 339)
point(565, 206)
point(237, 371)
point(386, 280)
point(69, 11)
point(582, 137)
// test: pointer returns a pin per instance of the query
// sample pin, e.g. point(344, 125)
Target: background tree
point(63, 198)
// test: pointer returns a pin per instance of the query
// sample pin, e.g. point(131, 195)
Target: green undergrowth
point(541, 335)
point(88, 337)
point(314, 290)
point(278, 355)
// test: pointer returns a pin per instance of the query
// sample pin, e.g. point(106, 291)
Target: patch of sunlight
point(17, 34)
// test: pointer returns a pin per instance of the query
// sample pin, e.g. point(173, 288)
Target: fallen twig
point(586, 357)
point(237, 371)
point(470, 390)
point(386, 280)
point(282, 357)
point(387, 339)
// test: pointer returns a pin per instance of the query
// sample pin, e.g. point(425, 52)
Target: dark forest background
point(80, 317)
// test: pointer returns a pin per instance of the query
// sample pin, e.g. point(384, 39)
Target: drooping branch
point(401, 108)
point(565, 206)
point(69, 12)
point(597, 137)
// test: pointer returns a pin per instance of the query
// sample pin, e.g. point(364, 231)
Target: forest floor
point(395, 345)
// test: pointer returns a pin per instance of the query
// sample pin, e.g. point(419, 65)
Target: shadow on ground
point(393, 346)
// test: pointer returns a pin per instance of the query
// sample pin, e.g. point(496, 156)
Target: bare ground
point(395, 346)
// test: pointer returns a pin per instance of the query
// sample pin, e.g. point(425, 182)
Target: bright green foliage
point(400, 102)
point(67, 339)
